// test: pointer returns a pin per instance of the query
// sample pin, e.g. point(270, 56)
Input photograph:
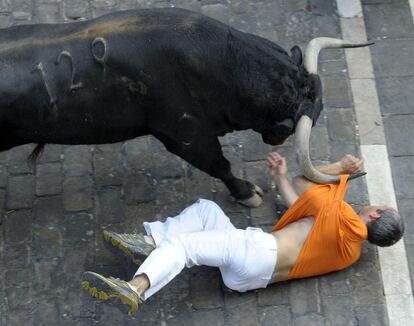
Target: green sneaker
point(112, 290)
point(131, 245)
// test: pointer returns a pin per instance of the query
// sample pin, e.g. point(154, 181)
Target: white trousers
point(203, 235)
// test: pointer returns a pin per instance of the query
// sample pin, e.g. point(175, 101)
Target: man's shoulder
point(353, 227)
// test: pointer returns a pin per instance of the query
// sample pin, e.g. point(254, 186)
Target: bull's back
point(91, 81)
point(122, 22)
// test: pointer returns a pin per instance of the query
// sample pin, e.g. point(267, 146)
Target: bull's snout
point(278, 133)
point(272, 140)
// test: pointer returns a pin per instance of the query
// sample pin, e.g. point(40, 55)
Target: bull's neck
point(247, 83)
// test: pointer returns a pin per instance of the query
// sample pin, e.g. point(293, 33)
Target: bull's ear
point(297, 55)
point(315, 87)
point(312, 106)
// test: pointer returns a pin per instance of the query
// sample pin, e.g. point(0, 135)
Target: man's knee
point(208, 206)
point(212, 216)
point(207, 202)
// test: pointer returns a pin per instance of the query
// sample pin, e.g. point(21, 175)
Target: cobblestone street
point(53, 212)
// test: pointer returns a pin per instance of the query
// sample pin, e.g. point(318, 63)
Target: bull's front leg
point(206, 155)
point(245, 192)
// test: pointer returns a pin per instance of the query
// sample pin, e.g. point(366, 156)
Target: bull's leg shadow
point(208, 157)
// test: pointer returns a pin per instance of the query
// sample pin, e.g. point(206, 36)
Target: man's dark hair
point(387, 229)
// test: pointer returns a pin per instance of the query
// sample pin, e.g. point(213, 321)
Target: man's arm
point(278, 172)
point(289, 193)
point(347, 165)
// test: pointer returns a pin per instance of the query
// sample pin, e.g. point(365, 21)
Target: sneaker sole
point(122, 250)
point(99, 289)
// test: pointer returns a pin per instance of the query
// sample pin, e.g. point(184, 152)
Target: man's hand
point(351, 164)
point(278, 171)
point(277, 165)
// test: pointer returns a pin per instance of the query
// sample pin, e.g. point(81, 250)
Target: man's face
point(371, 213)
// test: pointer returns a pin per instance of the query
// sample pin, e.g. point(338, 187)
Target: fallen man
point(318, 234)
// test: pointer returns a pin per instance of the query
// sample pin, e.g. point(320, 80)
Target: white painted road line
point(394, 266)
point(349, 8)
point(393, 260)
point(411, 2)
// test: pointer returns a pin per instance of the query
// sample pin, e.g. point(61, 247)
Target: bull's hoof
point(255, 200)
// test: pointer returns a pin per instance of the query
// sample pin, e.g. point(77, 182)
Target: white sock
point(133, 288)
point(150, 240)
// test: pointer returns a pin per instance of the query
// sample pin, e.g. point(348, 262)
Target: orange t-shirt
point(335, 240)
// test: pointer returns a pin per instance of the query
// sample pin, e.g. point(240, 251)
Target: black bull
point(177, 75)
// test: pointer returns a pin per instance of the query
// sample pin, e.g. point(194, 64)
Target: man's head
point(385, 225)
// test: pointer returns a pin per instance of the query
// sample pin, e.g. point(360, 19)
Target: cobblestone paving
point(53, 212)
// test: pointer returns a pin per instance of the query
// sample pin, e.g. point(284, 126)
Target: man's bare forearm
point(301, 183)
point(347, 165)
point(331, 169)
point(288, 194)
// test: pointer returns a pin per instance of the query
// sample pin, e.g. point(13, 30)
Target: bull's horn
point(302, 135)
point(304, 126)
point(319, 43)
point(306, 167)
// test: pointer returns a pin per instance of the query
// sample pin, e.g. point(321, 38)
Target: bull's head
point(304, 125)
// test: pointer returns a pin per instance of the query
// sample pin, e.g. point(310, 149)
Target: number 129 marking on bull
point(52, 99)
point(66, 54)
